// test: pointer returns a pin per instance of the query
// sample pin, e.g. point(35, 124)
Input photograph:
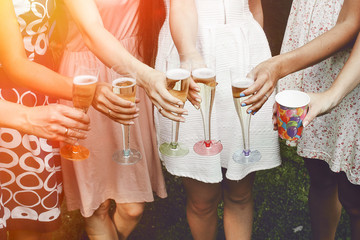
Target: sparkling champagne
point(178, 83)
point(83, 91)
point(239, 86)
point(206, 80)
point(125, 88)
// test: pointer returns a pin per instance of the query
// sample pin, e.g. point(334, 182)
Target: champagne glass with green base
point(178, 80)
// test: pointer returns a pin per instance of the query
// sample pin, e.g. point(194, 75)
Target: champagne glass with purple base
point(240, 83)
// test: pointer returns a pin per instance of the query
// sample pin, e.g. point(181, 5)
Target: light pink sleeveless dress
point(90, 182)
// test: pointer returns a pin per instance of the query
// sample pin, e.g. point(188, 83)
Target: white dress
point(332, 137)
point(228, 31)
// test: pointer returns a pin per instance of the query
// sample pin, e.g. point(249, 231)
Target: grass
point(281, 210)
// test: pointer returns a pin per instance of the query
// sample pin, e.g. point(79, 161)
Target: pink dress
point(90, 182)
point(332, 137)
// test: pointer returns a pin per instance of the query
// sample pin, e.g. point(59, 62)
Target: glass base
point(74, 152)
point(127, 158)
point(241, 157)
point(173, 150)
point(208, 148)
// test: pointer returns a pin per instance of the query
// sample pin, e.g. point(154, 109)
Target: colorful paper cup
point(292, 106)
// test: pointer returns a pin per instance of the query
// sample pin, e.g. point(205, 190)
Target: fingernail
point(180, 103)
point(249, 111)
point(242, 95)
point(136, 115)
point(198, 100)
point(186, 113)
point(132, 104)
point(197, 89)
point(305, 123)
point(137, 109)
point(196, 107)
point(243, 104)
point(131, 123)
point(182, 120)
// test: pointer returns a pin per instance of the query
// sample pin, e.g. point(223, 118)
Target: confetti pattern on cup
point(289, 122)
point(292, 107)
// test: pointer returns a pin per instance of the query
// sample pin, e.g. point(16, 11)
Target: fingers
point(171, 116)
point(259, 101)
point(274, 117)
point(73, 114)
point(123, 118)
point(193, 94)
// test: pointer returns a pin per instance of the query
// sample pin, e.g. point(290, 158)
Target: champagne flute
point(203, 73)
point(178, 80)
point(239, 83)
point(124, 85)
point(84, 86)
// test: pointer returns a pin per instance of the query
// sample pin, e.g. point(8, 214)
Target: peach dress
point(90, 182)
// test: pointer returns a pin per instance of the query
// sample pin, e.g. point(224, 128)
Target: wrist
point(333, 96)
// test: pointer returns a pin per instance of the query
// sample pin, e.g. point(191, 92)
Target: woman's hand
point(56, 122)
point(168, 105)
point(320, 103)
point(114, 107)
point(266, 76)
point(193, 94)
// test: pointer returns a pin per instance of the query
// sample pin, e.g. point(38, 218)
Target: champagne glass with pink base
point(203, 73)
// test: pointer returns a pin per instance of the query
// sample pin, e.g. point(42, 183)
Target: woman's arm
point(16, 65)
point(111, 52)
point(55, 121)
point(268, 73)
point(347, 80)
point(184, 29)
point(257, 11)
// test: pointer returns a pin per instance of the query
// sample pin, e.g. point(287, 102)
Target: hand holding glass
point(84, 86)
point(125, 87)
point(239, 83)
point(178, 79)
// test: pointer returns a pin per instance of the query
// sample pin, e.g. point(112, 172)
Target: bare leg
point(29, 235)
point(100, 226)
point(238, 208)
point(325, 207)
point(201, 208)
point(349, 195)
point(126, 217)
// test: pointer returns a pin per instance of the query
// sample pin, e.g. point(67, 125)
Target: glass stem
point(174, 134)
point(76, 147)
point(245, 128)
point(126, 139)
point(206, 116)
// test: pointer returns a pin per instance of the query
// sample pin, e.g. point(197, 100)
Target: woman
point(119, 33)
point(319, 30)
point(346, 81)
point(231, 31)
point(30, 166)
